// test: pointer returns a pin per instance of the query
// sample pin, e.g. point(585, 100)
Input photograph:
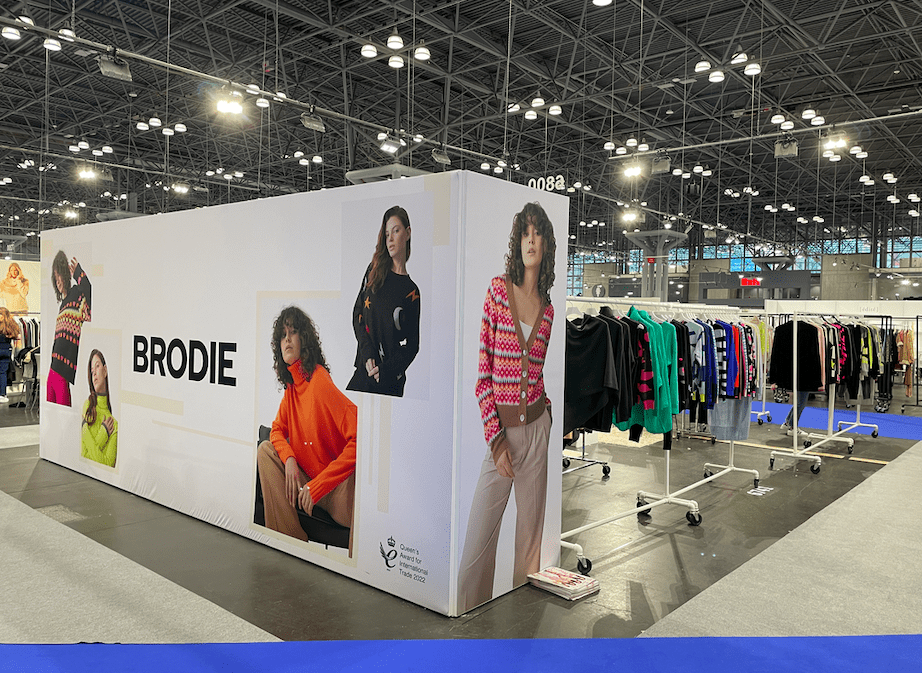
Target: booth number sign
point(550, 183)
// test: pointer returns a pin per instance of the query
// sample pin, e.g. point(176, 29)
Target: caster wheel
point(769, 418)
point(708, 473)
point(755, 483)
point(851, 449)
point(902, 410)
point(808, 444)
point(713, 440)
point(771, 463)
point(584, 566)
point(815, 469)
point(874, 434)
point(566, 463)
point(693, 519)
point(760, 421)
point(641, 503)
point(606, 470)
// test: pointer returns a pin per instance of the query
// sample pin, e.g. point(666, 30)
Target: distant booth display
point(373, 384)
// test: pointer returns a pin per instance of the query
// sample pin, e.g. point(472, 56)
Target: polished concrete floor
point(647, 565)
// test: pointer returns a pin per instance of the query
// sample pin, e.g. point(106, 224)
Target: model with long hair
point(74, 311)
point(14, 288)
point(385, 317)
point(514, 335)
point(99, 432)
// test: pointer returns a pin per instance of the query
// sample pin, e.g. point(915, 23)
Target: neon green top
point(95, 442)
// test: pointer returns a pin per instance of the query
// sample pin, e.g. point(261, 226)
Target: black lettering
point(197, 347)
point(140, 353)
point(176, 345)
point(224, 364)
point(157, 353)
point(213, 360)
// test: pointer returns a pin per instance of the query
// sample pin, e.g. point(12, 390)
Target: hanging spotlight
point(643, 146)
point(83, 145)
point(179, 128)
point(808, 114)
point(514, 107)
point(395, 61)
point(701, 66)
point(861, 155)
point(707, 172)
point(369, 50)
point(317, 159)
point(229, 103)
point(484, 166)
point(787, 125)
point(155, 122)
point(777, 118)
point(167, 131)
point(555, 110)
point(303, 161)
point(11, 33)
point(531, 115)
point(440, 156)
point(497, 169)
point(854, 149)
point(698, 168)
point(621, 150)
point(262, 102)
point(601, 3)
point(835, 157)
point(422, 52)
point(142, 126)
point(716, 76)
point(752, 69)
point(51, 44)
point(97, 153)
point(74, 148)
point(739, 57)
point(632, 142)
point(818, 120)
point(395, 41)
point(313, 122)
point(677, 171)
point(390, 144)
point(609, 145)
point(106, 149)
point(537, 101)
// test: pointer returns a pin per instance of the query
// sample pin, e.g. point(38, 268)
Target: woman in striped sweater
point(74, 311)
point(514, 335)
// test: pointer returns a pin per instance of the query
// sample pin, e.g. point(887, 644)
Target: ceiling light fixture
point(114, 67)
point(818, 120)
point(143, 126)
point(154, 122)
point(537, 101)
point(51, 44)
point(531, 115)
point(701, 66)
point(369, 50)
point(11, 33)
point(229, 103)
point(752, 69)
point(395, 61)
point(777, 118)
point(262, 102)
point(313, 122)
point(395, 41)
point(440, 156)
point(787, 125)
point(422, 52)
point(179, 128)
point(555, 110)
point(390, 144)
point(808, 114)
point(716, 76)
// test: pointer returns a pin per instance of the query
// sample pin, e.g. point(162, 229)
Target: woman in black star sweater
point(385, 317)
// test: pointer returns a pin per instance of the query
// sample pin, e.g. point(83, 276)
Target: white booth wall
point(222, 274)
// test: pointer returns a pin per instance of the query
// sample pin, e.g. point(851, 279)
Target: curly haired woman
point(310, 456)
point(514, 335)
point(14, 288)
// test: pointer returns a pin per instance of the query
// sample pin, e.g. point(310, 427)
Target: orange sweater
point(316, 424)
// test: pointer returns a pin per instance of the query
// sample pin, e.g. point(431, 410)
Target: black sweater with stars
point(386, 325)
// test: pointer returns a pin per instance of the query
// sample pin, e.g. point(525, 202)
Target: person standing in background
point(9, 334)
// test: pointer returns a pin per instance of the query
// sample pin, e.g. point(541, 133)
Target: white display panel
point(212, 281)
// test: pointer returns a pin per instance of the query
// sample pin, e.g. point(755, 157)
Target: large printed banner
point(20, 287)
point(308, 371)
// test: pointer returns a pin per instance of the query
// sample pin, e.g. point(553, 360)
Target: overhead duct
point(379, 173)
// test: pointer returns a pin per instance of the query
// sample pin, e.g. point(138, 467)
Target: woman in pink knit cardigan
point(514, 335)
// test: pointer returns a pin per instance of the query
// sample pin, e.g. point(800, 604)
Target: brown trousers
point(528, 447)
point(280, 515)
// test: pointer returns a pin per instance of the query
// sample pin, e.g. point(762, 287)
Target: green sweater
point(95, 443)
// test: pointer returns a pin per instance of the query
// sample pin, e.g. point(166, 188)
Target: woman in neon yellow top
point(100, 429)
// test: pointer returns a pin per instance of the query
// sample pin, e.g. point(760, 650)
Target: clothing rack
point(830, 436)
point(763, 374)
point(647, 501)
point(586, 462)
point(915, 365)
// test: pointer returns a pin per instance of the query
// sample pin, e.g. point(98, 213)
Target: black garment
point(386, 326)
point(637, 430)
point(620, 335)
point(781, 370)
point(590, 378)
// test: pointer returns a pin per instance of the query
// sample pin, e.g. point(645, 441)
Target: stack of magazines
point(564, 583)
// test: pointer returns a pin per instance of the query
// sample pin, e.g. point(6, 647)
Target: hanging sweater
point(317, 425)
point(95, 441)
point(74, 311)
point(510, 371)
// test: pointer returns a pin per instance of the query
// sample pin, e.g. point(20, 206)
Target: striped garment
point(510, 376)
point(74, 311)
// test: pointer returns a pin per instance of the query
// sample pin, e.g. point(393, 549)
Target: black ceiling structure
point(622, 71)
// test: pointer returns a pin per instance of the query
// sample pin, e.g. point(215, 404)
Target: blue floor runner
point(816, 418)
point(685, 655)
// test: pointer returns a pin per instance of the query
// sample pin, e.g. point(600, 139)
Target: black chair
point(320, 526)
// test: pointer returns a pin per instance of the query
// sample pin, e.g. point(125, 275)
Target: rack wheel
point(693, 519)
point(851, 448)
point(642, 503)
point(755, 483)
point(760, 421)
point(771, 463)
point(874, 434)
point(708, 473)
point(566, 463)
point(808, 444)
point(606, 470)
point(713, 440)
point(769, 418)
point(815, 469)
point(902, 409)
point(583, 566)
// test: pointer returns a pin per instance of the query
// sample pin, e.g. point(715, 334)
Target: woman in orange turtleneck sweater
point(310, 456)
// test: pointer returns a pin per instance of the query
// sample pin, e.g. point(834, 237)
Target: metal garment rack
point(830, 436)
point(763, 374)
point(647, 501)
point(915, 366)
point(587, 462)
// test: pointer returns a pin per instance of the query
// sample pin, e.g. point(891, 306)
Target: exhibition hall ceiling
point(629, 70)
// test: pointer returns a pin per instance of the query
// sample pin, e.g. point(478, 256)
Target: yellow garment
point(95, 443)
